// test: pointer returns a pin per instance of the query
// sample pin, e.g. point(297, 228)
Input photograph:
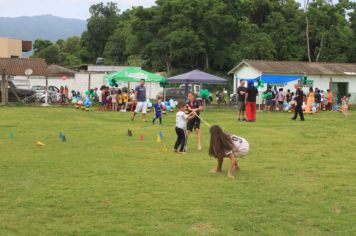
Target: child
point(280, 98)
point(125, 100)
point(113, 101)
point(226, 145)
point(158, 111)
point(119, 98)
point(288, 96)
point(318, 100)
point(330, 99)
point(181, 126)
point(269, 98)
point(103, 99)
point(292, 103)
point(345, 104)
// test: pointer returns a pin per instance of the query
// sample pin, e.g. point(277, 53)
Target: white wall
point(245, 72)
point(81, 81)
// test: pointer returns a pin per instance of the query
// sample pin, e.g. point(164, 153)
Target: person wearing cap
point(299, 100)
point(141, 100)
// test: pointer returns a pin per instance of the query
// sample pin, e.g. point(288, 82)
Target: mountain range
point(44, 27)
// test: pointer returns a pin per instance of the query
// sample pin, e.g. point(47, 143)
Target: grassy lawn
point(298, 179)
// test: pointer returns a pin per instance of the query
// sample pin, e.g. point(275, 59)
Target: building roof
point(298, 67)
point(60, 71)
point(108, 68)
point(18, 66)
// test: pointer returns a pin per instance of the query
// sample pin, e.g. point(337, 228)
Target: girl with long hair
point(226, 145)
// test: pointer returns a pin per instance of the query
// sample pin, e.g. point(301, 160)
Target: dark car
point(21, 93)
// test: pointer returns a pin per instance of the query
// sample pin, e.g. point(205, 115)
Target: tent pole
point(204, 101)
point(186, 89)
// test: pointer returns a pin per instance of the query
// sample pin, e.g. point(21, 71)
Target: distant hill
point(44, 27)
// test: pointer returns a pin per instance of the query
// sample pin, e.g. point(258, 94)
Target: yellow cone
point(40, 143)
point(158, 139)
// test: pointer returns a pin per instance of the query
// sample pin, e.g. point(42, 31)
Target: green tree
point(253, 43)
point(50, 54)
point(72, 45)
point(40, 44)
point(101, 25)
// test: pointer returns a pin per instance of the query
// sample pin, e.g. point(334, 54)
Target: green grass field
point(298, 179)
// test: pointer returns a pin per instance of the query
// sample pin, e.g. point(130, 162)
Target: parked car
point(21, 93)
point(53, 93)
point(177, 94)
point(195, 88)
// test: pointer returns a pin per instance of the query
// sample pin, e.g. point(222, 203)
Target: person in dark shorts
point(241, 96)
point(194, 105)
point(299, 100)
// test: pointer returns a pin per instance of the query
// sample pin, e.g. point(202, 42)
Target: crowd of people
point(274, 99)
point(114, 99)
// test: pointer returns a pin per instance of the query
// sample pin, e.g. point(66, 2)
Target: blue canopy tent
point(275, 79)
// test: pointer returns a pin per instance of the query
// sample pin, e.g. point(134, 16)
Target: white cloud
point(65, 8)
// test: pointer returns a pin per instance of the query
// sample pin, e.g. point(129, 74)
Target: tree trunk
point(306, 4)
point(307, 36)
point(168, 67)
point(207, 66)
point(321, 48)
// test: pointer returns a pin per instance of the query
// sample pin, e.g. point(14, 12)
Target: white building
point(339, 77)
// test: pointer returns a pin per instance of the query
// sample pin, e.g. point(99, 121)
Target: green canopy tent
point(134, 75)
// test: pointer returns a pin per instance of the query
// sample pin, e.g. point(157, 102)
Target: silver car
point(53, 93)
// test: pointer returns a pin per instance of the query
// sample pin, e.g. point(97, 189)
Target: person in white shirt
point(227, 145)
point(181, 126)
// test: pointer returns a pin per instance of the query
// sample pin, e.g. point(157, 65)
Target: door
point(343, 89)
point(339, 89)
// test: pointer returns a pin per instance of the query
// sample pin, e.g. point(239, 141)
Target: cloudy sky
point(64, 8)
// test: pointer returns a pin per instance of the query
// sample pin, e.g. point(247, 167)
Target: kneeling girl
point(226, 145)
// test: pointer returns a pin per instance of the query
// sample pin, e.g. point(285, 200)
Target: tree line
point(179, 35)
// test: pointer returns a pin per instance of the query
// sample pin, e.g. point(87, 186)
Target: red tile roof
point(298, 67)
point(18, 66)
